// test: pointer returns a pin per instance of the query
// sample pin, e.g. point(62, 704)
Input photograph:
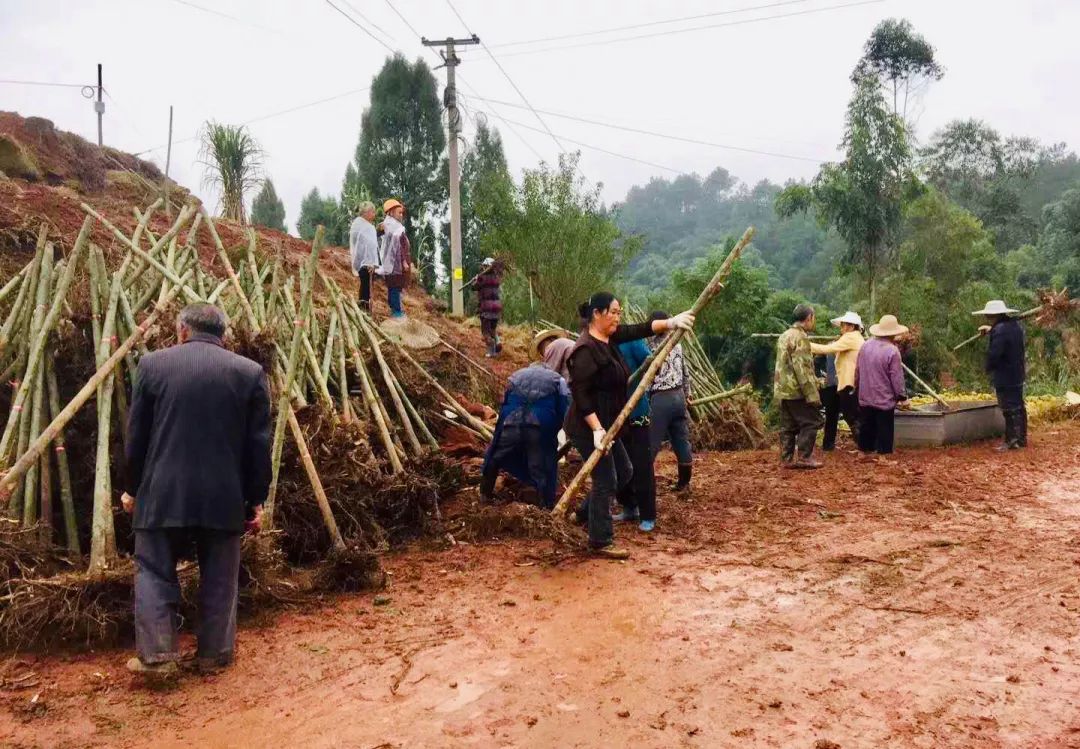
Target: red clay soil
point(928, 602)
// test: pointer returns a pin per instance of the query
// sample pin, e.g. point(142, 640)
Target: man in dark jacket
point(1005, 365)
point(198, 471)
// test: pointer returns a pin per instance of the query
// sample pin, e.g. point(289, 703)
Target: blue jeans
point(393, 298)
point(612, 473)
point(157, 591)
point(669, 420)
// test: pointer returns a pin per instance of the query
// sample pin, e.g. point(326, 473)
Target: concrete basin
point(929, 425)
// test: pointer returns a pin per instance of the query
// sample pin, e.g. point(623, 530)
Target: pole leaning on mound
point(707, 294)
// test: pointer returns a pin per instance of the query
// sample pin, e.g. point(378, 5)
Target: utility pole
point(99, 105)
point(457, 304)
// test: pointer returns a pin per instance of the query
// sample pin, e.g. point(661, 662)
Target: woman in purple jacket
point(879, 380)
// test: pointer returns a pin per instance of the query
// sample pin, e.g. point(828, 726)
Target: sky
point(771, 84)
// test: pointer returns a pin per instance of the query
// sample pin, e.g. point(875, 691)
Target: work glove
point(683, 320)
point(598, 436)
point(561, 438)
point(984, 329)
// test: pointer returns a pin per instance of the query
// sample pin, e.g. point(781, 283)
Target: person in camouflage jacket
point(795, 390)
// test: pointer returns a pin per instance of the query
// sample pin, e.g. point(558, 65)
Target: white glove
point(598, 436)
point(683, 320)
point(561, 438)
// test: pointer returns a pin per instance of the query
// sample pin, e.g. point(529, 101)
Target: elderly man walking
point(843, 400)
point(795, 389)
point(364, 250)
point(198, 471)
point(396, 255)
point(879, 379)
point(1005, 365)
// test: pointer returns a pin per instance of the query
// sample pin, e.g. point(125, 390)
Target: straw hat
point(542, 337)
point(852, 318)
point(995, 307)
point(888, 327)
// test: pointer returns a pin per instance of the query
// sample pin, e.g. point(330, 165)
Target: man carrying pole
point(1005, 365)
point(795, 389)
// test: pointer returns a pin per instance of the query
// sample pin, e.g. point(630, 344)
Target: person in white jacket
point(364, 250)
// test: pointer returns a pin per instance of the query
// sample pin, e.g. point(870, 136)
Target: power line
point(48, 83)
point(641, 131)
point(691, 29)
point(405, 21)
point(511, 80)
point(353, 21)
point(601, 149)
point(367, 20)
point(506, 122)
point(235, 19)
point(271, 115)
point(648, 24)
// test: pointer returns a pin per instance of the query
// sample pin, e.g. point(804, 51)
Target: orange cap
point(391, 204)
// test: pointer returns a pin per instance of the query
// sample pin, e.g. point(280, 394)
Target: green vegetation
point(267, 209)
point(233, 161)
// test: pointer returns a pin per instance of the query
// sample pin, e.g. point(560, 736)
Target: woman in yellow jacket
point(846, 352)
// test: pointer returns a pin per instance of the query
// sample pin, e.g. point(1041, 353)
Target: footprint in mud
point(463, 695)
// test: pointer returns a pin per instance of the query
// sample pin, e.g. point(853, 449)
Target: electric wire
point(367, 20)
point(668, 136)
point(360, 26)
point(235, 19)
point(740, 22)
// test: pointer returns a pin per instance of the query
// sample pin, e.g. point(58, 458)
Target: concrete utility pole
point(457, 304)
point(99, 105)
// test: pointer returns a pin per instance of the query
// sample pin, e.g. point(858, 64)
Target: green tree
point(400, 153)
point(486, 198)
point(267, 209)
point(863, 196)
point(1058, 250)
point(561, 243)
point(316, 210)
point(901, 59)
point(233, 161)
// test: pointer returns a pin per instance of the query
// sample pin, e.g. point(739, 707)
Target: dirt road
point(928, 603)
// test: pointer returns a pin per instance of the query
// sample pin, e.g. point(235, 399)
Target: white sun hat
point(852, 318)
point(995, 307)
point(488, 261)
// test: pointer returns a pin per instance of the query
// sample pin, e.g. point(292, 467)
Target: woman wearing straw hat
point(879, 380)
point(845, 349)
point(1005, 365)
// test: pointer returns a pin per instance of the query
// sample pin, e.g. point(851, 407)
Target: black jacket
point(1005, 354)
point(599, 377)
point(198, 449)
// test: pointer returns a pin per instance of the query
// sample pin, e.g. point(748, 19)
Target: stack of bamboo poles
point(321, 353)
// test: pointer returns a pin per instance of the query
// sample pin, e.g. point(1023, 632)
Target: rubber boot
point(1021, 426)
point(1009, 442)
point(685, 471)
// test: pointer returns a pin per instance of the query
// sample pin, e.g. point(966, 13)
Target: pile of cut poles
point(314, 348)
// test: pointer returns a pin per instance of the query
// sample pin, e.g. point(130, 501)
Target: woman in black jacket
point(598, 384)
point(1005, 365)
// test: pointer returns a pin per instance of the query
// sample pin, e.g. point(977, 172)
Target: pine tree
point(267, 209)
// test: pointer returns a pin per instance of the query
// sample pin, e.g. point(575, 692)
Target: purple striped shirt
point(879, 376)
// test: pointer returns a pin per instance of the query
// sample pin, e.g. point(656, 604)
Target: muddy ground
point(931, 602)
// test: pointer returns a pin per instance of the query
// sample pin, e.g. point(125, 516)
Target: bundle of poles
point(320, 354)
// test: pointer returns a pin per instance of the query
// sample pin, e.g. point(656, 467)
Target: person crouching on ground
point(638, 495)
point(1005, 365)
point(843, 400)
point(526, 443)
point(396, 255)
point(668, 395)
point(488, 284)
point(795, 388)
point(879, 380)
point(198, 471)
point(598, 382)
point(364, 250)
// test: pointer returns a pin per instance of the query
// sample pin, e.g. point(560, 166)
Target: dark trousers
point(799, 425)
point(611, 472)
point(839, 403)
point(514, 440)
point(667, 412)
point(640, 491)
point(157, 591)
point(876, 429)
point(489, 327)
point(1011, 402)
point(393, 300)
point(365, 275)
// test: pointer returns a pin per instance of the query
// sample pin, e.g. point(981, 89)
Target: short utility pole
point(99, 105)
point(457, 304)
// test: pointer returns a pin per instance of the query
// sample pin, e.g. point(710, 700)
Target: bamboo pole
point(63, 469)
point(328, 349)
point(244, 301)
point(284, 404)
point(15, 281)
point(428, 436)
point(1022, 316)
point(721, 396)
point(343, 380)
point(471, 362)
point(313, 477)
point(706, 296)
point(26, 291)
point(388, 378)
point(31, 378)
point(256, 277)
point(14, 474)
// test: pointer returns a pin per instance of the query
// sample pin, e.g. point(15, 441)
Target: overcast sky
point(777, 85)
